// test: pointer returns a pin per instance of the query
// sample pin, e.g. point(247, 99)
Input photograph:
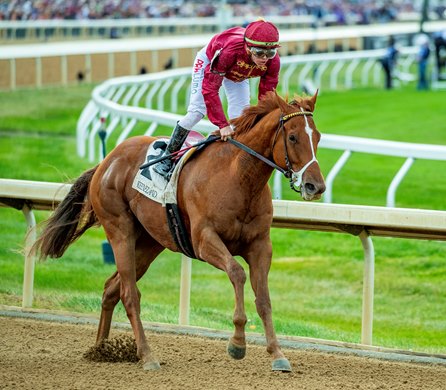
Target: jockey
point(230, 59)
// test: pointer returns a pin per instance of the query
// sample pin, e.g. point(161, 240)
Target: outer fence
point(37, 65)
point(361, 221)
point(47, 30)
point(138, 104)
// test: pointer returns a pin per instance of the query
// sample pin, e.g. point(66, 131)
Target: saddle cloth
point(156, 187)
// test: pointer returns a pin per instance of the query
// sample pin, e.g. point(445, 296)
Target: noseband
point(295, 177)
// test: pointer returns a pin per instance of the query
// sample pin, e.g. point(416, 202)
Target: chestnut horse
point(226, 206)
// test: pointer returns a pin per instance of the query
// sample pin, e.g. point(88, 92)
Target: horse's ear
point(281, 102)
point(313, 99)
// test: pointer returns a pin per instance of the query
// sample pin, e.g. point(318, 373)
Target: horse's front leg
point(211, 249)
point(237, 343)
point(259, 260)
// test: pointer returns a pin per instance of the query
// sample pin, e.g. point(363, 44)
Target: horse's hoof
point(236, 352)
point(151, 366)
point(281, 364)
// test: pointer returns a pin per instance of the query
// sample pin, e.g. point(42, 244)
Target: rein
point(255, 154)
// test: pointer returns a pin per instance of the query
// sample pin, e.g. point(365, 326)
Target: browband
point(297, 113)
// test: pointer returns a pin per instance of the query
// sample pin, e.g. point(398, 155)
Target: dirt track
point(49, 355)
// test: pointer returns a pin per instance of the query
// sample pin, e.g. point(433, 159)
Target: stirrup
point(163, 168)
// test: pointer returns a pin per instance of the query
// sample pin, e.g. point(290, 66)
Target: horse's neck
point(254, 172)
point(259, 139)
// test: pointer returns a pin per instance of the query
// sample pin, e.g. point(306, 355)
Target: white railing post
point(368, 288)
point(185, 286)
point(28, 274)
point(328, 194)
point(396, 182)
point(277, 193)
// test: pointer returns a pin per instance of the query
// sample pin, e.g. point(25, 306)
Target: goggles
point(261, 52)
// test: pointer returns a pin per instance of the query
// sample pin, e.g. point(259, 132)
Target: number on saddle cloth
point(157, 149)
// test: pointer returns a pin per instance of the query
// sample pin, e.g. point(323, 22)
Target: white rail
point(128, 103)
point(362, 221)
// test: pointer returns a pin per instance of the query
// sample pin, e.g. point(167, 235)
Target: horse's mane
point(270, 102)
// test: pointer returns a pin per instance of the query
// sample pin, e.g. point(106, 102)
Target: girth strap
point(178, 231)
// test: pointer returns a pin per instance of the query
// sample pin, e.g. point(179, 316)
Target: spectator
point(388, 62)
point(422, 60)
point(440, 48)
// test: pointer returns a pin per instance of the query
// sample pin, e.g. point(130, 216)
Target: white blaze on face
point(297, 176)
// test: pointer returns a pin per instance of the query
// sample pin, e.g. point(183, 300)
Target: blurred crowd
point(330, 11)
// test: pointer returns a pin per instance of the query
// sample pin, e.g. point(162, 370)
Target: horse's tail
point(72, 217)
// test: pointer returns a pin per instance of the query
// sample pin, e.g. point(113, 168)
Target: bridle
point(295, 177)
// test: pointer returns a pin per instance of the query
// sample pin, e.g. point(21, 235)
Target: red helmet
point(262, 34)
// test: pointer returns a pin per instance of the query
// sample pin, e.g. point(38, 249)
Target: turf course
point(316, 278)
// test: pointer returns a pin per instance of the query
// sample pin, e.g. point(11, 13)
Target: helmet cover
point(262, 34)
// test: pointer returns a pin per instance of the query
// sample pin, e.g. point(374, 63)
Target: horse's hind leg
point(122, 232)
point(110, 298)
point(146, 251)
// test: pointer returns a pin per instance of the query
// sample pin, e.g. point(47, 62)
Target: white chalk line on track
point(308, 344)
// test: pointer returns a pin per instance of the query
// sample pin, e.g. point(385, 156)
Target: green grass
point(315, 279)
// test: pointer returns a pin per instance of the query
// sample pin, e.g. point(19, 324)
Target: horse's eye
point(292, 138)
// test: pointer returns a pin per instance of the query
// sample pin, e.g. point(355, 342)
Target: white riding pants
point(237, 94)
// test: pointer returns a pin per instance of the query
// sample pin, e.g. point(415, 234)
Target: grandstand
point(328, 12)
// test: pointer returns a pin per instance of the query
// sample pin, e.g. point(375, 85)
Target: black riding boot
point(179, 135)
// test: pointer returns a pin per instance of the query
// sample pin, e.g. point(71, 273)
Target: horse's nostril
point(310, 188)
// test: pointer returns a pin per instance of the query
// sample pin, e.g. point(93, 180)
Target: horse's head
point(295, 145)
point(287, 135)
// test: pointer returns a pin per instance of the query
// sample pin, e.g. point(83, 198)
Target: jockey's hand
point(226, 133)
